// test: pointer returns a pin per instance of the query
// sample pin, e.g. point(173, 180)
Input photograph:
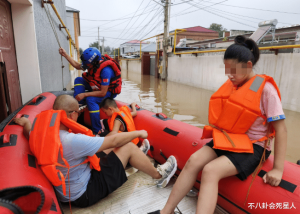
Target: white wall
point(207, 71)
point(26, 49)
point(72, 51)
point(134, 66)
point(123, 65)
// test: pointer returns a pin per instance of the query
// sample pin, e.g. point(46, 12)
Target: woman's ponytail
point(243, 50)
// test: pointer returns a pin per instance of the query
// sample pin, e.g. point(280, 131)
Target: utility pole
point(103, 45)
point(165, 40)
point(98, 40)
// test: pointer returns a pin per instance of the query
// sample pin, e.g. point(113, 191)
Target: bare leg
point(188, 177)
point(212, 172)
point(107, 151)
point(132, 154)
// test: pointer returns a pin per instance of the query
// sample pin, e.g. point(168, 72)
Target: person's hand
point(80, 97)
point(273, 177)
point(133, 104)
point(62, 52)
point(143, 134)
point(21, 121)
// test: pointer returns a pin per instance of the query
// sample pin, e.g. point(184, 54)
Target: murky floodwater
point(189, 104)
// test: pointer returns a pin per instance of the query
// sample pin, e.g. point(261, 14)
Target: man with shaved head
point(88, 186)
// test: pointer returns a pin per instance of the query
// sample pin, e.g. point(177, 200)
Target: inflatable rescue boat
point(25, 189)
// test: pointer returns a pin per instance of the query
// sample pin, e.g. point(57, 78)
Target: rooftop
point(200, 29)
point(136, 41)
point(70, 9)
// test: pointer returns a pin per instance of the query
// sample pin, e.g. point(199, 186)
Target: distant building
point(131, 47)
point(73, 24)
point(150, 48)
point(192, 34)
point(236, 32)
point(283, 36)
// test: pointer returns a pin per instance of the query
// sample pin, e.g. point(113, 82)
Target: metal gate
point(152, 65)
point(9, 82)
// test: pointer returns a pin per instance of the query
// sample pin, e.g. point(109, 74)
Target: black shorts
point(245, 163)
point(101, 184)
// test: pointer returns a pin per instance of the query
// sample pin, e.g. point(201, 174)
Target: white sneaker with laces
point(145, 146)
point(167, 170)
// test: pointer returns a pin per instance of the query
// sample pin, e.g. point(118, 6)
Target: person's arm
point(121, 139)
point(133, 113)
point(116, 128)
point(273, 177)
point(26, 124)
point(100, 93)
point(74, 63)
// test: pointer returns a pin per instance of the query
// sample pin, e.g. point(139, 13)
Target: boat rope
point(178, 210)
point(57, 39)
point(262, 160)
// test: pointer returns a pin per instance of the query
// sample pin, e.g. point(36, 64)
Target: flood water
point(189, 104)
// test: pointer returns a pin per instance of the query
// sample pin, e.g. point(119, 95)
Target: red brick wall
point(196, 36)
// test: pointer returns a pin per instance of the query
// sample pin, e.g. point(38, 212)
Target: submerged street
point(189, 104)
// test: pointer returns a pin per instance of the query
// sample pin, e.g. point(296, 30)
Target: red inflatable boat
point(23, 186)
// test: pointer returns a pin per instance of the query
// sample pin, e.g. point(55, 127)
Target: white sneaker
point(167, 170)
point(145, 146)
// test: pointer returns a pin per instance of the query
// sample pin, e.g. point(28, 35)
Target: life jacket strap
point(225, 133)
point(262, 160)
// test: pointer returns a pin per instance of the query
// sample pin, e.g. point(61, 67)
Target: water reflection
point(188, 104)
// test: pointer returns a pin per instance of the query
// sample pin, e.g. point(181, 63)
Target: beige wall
point(134, 66)
point(207, 71)
point(26, 49)
point(123, 65)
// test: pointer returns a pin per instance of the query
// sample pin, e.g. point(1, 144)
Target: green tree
point(107, 49)
point(217, 27)
point(94, 44)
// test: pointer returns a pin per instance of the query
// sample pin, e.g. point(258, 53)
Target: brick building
point(192, 34)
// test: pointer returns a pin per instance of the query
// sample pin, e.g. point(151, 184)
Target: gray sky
point(125, 20)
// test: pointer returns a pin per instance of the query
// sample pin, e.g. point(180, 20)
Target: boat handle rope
point(161, 115)
point(34, 100)
point(283, 183)
point(57, 39)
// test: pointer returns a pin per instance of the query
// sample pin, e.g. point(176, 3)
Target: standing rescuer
point(103, 79)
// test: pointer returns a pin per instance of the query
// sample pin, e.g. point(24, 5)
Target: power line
point(111, 20)
point(157, 14)
point(142, 21)
point(131, 18)
point(205, 6)
point(249, 8)
point(105, 37)
point(122, 18)
point(217, 10)
point(234, 14)
point(223, 16)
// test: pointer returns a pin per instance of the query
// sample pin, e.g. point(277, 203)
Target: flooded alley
point(188, 104)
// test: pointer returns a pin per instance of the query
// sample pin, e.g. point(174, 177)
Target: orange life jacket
point(232, 112)
point(125, 114)
point(94, 79)
point(45, 144)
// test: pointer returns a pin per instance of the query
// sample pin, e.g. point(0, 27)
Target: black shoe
point(155, 212)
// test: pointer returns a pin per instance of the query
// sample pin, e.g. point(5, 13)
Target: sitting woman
point(244, 114)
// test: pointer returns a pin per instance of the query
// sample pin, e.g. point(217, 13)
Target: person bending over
point(88, 186)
